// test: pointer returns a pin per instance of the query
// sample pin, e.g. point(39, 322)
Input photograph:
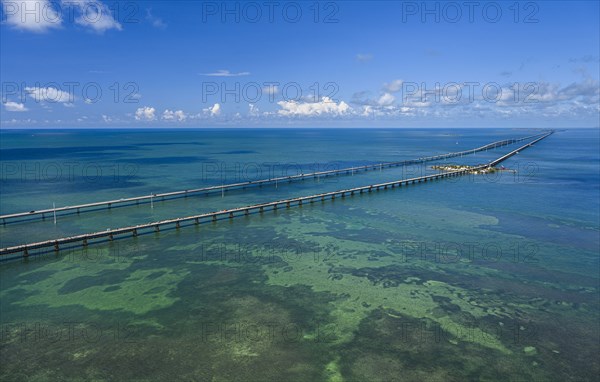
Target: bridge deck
point(244, 211)
point(8, 218)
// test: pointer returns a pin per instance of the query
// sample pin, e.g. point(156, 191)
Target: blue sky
point(90, 63)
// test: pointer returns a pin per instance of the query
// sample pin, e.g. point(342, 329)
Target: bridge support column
point(85, 243)
point(231, 215)
point(56, 246)
point(157, 228)
point(135, 233)
point(197, 221)
point(247, 212)
point(287, 204)
point(25, 252)
point(262, 209)
point(299, 202)
point(177, 225)
point(214, 217)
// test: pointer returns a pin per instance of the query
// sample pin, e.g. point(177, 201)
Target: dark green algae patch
point(331, 296)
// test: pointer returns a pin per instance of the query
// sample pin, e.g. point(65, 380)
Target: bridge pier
point(135, 233)
point(157, 228)
point(177, 225)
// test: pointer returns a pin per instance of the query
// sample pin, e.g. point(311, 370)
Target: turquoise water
point(489, 277)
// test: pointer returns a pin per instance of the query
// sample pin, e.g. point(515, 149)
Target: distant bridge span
point(136, 230)
point(89, 207)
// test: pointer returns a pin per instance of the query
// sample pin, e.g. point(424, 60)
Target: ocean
point(482, 277)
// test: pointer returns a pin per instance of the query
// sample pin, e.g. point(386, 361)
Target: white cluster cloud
point(214, 111)
point(178, 115)
point(14, 106)
point(326, 106)
point(94, 14)
point(253, 110)
point(42, 15)
point(49, 94)
point(148, 114)
point(31, 15)
point(576, 100)
point(145, 114)
point(386, 99)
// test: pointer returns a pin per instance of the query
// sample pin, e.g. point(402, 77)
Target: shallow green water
point(453, 280)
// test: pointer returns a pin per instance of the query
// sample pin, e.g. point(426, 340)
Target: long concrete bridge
point(90, 207)
point(133, 231)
